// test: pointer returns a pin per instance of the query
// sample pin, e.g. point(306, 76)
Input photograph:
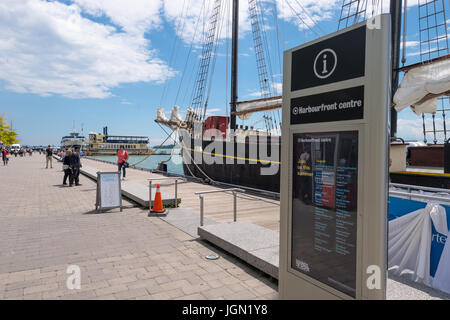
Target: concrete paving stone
point(263, 290)
point(174, 284)
point(21, 285)
point(214, 276)
point(133, 272)
point(237, 287)
point(214, 284)
point(13, 294)
point(79, 296)
point(167, 295)
point(40, 288)
point(33, 296)
point(95, 285)
point(107, 297)
point(111, 290)
point(241, 295)
point(120, 254)
point(270, 296)
point(149, 275)
point(122, 280)
point(131, 294)
point(195, 296)
point(217, 292)
point(53, 295)
point(142, 283)
point(230, 280)
point(252, 283)
point(162, 279)
point(197, 288)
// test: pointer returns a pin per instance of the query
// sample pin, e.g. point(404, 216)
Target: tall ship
point(106, 144)
point(217, 148)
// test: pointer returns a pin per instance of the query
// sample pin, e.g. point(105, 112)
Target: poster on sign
point(324, 207)
point(109, 194)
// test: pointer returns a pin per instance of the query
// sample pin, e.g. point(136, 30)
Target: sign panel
point(336, 59)
point(324, 207)
point(109, 194)
point(346, 104)
point(333, 204)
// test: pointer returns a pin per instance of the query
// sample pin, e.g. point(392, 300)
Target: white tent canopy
point(422, 85)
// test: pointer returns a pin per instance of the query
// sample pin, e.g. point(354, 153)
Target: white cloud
point(257, 94)
point(135, 16)
point(213, 111)
point(307, 13)
point(410, 44)
point(86, 48)
point(278, 87)
point(50, 48)
point(124, 101)
point(188, 16)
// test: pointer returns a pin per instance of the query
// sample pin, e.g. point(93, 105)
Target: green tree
point(7, 135)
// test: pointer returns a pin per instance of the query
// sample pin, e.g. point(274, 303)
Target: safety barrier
point(233, 190)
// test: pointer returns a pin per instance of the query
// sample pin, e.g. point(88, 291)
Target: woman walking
point(67, 169)
point(4, 156)
point(122, 157)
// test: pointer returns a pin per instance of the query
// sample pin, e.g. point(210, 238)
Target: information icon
point(325, 63)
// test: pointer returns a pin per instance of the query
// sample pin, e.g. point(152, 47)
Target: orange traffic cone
point(158, 204)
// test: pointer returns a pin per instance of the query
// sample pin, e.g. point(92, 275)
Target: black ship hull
point(257, 165)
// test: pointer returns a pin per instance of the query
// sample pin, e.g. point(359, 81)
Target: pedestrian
point(5, 156)
point(67, 169)
point(122, 157)
point(48, 157)
point(75, 165)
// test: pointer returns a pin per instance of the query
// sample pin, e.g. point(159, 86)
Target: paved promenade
point(45, 228)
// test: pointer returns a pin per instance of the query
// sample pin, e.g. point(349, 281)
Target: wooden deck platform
point(258, 210)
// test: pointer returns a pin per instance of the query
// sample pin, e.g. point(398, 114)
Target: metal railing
point(414, 187)
point(201, 197)
point(419, 196)
point(162, 179)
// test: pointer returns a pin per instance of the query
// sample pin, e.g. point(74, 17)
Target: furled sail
point(245, 109)
point(422, 85)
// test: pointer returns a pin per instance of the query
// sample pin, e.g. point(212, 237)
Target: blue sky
point(107, 62)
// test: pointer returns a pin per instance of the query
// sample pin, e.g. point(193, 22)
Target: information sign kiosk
point(333, 226)
point(109, 193)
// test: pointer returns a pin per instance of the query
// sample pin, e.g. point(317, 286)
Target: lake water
point(175, 165)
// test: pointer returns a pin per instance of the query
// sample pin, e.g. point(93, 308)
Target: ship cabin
point(109, 144)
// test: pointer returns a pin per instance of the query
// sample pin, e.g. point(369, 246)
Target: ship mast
point(234, 64)
point(396, 18)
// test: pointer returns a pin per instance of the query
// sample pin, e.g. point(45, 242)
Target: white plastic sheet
point(409, 241)
point(433, 78)
point(441, 279)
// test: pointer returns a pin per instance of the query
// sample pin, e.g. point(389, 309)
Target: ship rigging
point(266, 109)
